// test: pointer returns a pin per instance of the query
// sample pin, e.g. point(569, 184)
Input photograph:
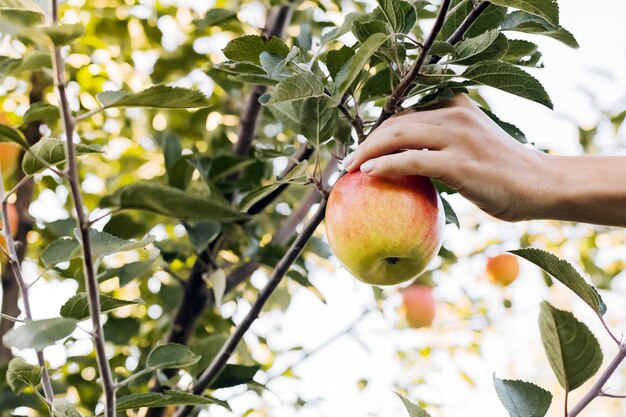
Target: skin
point(503, 269)
point(384, 230)
point(461, 146)
point(419, 305)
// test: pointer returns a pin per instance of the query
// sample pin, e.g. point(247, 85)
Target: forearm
point(588, 189)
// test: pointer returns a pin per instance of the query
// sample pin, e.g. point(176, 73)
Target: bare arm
point(462, 147)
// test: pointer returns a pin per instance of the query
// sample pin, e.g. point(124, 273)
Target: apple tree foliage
point(198, 168)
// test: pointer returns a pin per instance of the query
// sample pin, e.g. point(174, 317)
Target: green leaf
point(317, 119)
point(172, 202)
point(25, 5)
point(364, 28)
point(298, 87)
point(522, 52)
point(215, 17)
point(126, 273)
point(521, 398)
point(345, 27)
point(37, 334)
point(33, 61)
point(489, 45)
point(41, 112)
point(509, 78)
point(63, 408)
point(157, 399)
point(52, 151)
point(60, 250)
point(249, 48)
point(171, 355)
point(298, 175)
point(378, 85)
point(573, 351)
point(336, 58)
point(547, 9)
point(234, 375)
point(21, 374)
point(159, 96)
point(564, 272)
point(64, 34)
point(528, 23)
point(451, 217)
point(489, 19)
point(509, 128)
point(210, 347)
point(413, 409)
point(202, 233)
point(103, 244)
point(77, 307)
point(12, 135)
point(393, 12)
point(351, 70)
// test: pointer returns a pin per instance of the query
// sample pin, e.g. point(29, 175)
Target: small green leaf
point(451, 217)
point(171, 355)
point(522, 52)
point(64, 34)
point(573, 351)
point(336, 58)
point(77, 307)
point(157, 399)
point(249, 48)
point(60, 250)
point(509, 128)
point(413, 409)
point(298, 175)
point(217, 282)
point(202, 233)
point(41, 112)
point(393, 13)
point(21, 374)
point(103, 244)
point(298, 87)
point(234, 375)
point(490, 45)
point(345, 27)
point(547, 9)
point(317, 119)
point(63, 408)
point(528, 23)
point(521, 398)
point(37, 334)
point(159, 96)
point(172, 202)
point(509, 78)
point(12, 135)
point(489, 19)
point(210, 347)
point(564, 272)
point(215, 17)
point(126, 273)
point(51, 151)
point(364, 28)
point(351, 70)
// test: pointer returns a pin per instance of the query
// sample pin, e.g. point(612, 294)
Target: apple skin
point(502, 269)
point(419, 305)
point(384, 230)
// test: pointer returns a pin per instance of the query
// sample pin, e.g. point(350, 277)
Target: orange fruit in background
point(502, 269)
point(14, 221)
point(419, 305)
point(9, 158)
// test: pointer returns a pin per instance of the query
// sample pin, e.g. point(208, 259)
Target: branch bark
point(91, 281)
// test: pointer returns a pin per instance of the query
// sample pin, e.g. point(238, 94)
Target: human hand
point(462, 147)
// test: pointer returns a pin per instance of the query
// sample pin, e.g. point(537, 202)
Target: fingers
point(413, 162)
point(398, 137)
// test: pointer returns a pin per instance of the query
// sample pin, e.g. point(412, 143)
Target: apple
point(502, 269)
point(418, 305)
point(13, 223)
point(384, 230)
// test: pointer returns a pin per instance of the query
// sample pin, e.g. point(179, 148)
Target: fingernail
point(368, 166)
point(347, 161)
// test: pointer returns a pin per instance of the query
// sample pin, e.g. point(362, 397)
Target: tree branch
point(596, 389)
point(91, 281)
point(473, 15)
point(398, 94)
point(218, 364)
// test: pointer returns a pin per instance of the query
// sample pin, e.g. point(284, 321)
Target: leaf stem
point(91, 281)
point(606, 327)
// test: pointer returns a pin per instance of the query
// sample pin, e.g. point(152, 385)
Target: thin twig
point(606, 327)
point(218, 364)
point(91, 282)
point(596, 389)
point(606, 394)
point(17, 273)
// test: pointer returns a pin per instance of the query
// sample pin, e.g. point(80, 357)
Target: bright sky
point(511, 347)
